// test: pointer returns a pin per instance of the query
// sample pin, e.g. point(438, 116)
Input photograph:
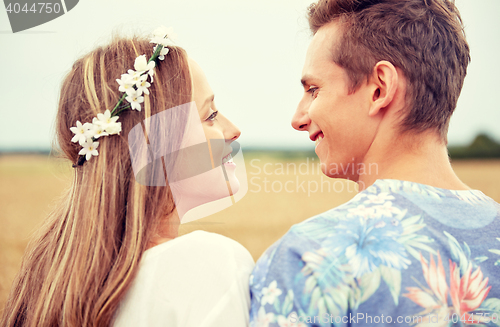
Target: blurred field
point(30, 185)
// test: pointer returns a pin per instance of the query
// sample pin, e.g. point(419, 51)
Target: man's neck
point(421, 158)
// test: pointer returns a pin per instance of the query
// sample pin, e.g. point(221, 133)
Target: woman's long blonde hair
point(82, 261)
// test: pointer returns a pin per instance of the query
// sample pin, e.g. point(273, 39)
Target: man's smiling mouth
point(317, 137)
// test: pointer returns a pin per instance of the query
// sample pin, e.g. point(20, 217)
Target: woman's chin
point(208, 187)
point(233, 185)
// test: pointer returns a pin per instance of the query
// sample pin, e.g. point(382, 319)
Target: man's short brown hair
point(424, 38)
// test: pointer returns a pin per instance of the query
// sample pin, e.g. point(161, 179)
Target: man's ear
point(384, 83)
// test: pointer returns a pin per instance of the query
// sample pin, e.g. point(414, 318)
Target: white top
point(196, 280)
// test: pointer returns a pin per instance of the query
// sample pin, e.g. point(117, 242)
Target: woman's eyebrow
point(307, 80)
point(208, 100)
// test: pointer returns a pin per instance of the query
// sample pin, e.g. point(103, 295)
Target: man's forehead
point(319, 52)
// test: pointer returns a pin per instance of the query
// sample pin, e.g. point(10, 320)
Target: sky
point(251, 51)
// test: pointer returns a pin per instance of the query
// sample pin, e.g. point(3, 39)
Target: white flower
point(135, 101)
point(161, 34)
point(82, 132)
point(287, 321)
point(163, 52)
point(387, 209)
point(269, 294)
point(263, 318)
point(126, 83)
point(162, 31)
point(362, 211)
point(151, 73)
point(114, 128)
point(141, 64)
point(98, 131)
point(134, 76)
point(89, 149)
point(159, 40)
point(142, 85)
point(379, 198)
point(104, 119)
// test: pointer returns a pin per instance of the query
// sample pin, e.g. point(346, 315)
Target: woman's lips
point(228, 160)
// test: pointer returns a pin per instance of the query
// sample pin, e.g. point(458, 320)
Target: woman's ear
point(384, 83)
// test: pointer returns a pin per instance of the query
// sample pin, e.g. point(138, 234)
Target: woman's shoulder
point(188, 281)
point(193, 262)
point(208, 238)
point(200, 247)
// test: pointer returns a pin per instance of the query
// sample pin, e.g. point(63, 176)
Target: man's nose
point(300, 120)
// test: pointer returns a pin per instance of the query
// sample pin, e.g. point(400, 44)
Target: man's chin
point(330, 168)
point(339, 169)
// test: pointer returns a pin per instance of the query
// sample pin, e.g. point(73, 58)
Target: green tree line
point(483, 147)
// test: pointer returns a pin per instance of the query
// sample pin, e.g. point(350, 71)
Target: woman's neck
point(168, 230)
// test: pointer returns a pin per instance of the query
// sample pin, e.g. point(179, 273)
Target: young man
point(416, 246)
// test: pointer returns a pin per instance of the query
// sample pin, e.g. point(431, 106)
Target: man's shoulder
point(389, 198)
point(382, 204)
point(384, 210)
point(307, 234)
point(366, 204)
point(363, 255)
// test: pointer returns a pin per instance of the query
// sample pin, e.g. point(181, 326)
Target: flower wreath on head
point(133, 84)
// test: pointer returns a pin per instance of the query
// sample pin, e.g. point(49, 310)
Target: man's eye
point(213, 116)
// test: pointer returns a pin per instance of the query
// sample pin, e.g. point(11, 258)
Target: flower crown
point(133, 84)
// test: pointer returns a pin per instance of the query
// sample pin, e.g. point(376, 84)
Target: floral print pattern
point(385, 252)
point(466, 292)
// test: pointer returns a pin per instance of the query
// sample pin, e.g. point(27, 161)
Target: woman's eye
point(312, 90)
point(213, 116)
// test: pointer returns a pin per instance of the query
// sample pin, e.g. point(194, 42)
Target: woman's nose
point(231, 132)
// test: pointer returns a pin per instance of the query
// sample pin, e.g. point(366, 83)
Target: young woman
point(109, 253)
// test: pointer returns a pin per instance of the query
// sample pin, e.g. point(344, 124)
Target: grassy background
point(31, 184)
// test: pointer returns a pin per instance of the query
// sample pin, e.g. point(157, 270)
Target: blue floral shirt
point(398, 254)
